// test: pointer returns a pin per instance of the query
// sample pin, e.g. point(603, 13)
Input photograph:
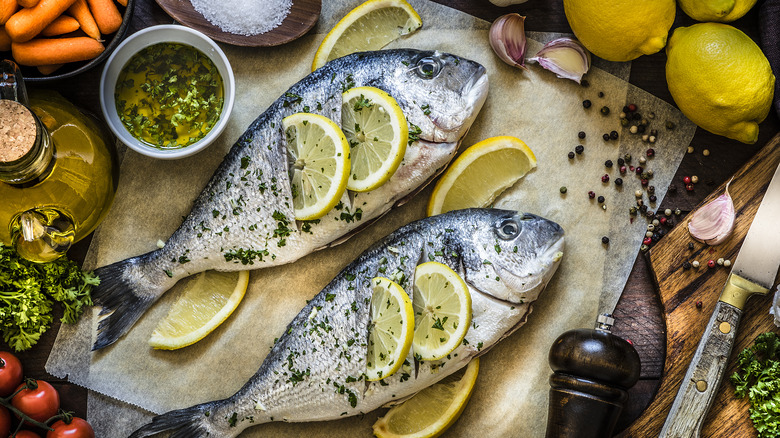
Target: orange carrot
point(7, 8)
point(27, 23)
point(5, 40)
point(46, 70)
point(27, 3)
point(122, 2)
point(62, 25)
point(43, 51)
point(80, 11)
point(106, 15)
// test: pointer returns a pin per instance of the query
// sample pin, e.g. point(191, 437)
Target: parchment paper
point(510, 398)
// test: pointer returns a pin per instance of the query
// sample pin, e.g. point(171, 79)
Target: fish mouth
point(453, 127)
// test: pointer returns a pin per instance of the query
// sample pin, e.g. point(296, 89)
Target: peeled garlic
point(507, 38)
point(714, 222)
point(507, 2)
point(565, 57)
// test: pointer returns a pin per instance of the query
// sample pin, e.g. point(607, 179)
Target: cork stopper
point(17, 131)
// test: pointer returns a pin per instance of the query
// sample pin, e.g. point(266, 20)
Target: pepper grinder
point(592, 371)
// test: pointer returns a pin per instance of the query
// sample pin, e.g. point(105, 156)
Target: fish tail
point(183, 423)
point(122, 299)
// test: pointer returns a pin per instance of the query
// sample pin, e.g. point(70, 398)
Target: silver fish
point(244, 217)
point(315, 370)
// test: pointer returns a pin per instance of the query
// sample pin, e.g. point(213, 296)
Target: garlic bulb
point(507, 38)
point(507, 2)
point(565, 57)
point(713, 223)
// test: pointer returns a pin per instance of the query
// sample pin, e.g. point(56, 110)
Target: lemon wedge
point(370, 26)
point(431, 411)
point(206, 303)
point(391, 330)
point(319, 157)
point(481, 173)
point(442, 310)
point(377, 133)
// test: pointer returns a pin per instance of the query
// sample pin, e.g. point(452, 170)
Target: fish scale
point(316, 369)
point(244, 219)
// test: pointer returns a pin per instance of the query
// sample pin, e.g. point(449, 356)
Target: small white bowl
point(137, 42)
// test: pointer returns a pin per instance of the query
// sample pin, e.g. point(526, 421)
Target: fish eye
point(428, 67)
point(507, 229)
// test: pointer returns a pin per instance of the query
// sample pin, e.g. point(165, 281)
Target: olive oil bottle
point(58, 170)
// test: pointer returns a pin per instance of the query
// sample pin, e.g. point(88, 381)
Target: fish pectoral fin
point(397, 402)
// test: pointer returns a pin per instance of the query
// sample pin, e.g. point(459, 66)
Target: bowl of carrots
point(58, 39)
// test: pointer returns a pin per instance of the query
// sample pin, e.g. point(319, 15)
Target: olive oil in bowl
point(169, 95)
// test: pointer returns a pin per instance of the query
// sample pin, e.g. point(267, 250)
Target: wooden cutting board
point(681, 289)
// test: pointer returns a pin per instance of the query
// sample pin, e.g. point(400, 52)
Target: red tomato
point(78, 428)
point(5, 422)
point(27, 434)
point(39, 404)
point(10, 373)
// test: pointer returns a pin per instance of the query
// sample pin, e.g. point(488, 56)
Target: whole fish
point(315, 371)
point(244, 218)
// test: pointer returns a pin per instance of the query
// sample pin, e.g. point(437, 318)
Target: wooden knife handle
point(704, 375)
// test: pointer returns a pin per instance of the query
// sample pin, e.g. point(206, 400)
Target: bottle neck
point(26, 149)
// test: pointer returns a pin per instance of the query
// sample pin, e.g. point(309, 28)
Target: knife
point(753, 272)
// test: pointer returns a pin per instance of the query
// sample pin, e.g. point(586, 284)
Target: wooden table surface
point(638, 312)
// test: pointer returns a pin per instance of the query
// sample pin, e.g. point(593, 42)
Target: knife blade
point(753, 272)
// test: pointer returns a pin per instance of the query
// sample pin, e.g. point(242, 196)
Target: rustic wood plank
point(681, 289)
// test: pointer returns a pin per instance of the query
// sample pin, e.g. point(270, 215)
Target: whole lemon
point(621, 30)
point(720, 79)
point(716, 10)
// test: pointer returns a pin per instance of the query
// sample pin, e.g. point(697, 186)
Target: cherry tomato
point(5, 422)
point(10, 373)
point(27, 434)
point(78, 428)
point(39, 404)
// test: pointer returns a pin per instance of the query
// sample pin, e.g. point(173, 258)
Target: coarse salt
point(244, 17)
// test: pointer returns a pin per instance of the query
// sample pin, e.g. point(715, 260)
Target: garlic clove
point(507, 38)
point(713, 223)
point(565, 57)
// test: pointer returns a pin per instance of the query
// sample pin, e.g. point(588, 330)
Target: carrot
point(7, 8)
point(43, 51)
point(27, 23)
point(122, 2)
point(27, 3)
point(106, 15)
point(46, 70)
point(80, 11)
point(62, 25)
point(5, 40)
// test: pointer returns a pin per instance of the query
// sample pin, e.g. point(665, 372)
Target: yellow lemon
point(720, 79)
point(716, 10)
point(391, 330)
point(620, 30)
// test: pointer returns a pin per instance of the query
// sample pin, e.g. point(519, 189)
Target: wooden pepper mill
point(593, 369)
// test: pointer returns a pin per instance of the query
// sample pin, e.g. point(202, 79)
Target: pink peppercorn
point(689, 187)
point(662, 220)
point(650, 152)
point(645, 182)
point(639, 170)
point(622, 170)
point(591, 195)
point(698, 304)
point(711, 263)
point(647, 241)
point(631, 168)
point(605, 178)
point(631, 107)
point(687, 180)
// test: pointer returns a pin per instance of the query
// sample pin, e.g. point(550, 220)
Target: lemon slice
point(391, 330)
point(370, 26)
point(442, 310)
point(481, 173)
point(431, 411)
point(377, 133)
point(208, 301)
point(319, 163)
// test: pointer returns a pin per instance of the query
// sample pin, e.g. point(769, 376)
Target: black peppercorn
point(643, 209)
point(690, 246)
point(636, 116)
point(605, 240)
point(670, 125)
point(613, 135)
point(586, 103)
point(618, 181)
point(638, 170)
point(600, 199)
point(563, 190)
point(651, 189)
point(625, 109)
point(649, 213)
point(641, 129)
point(585, 83)
point(605, 137)
point(661, 232)
point(579, 149)
point(621, 161)
point(601, 94)
point(571, 155)
point(581, 134)
point(686, 265)
point(608, 163)
point(605, 110)
point(652, 198)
